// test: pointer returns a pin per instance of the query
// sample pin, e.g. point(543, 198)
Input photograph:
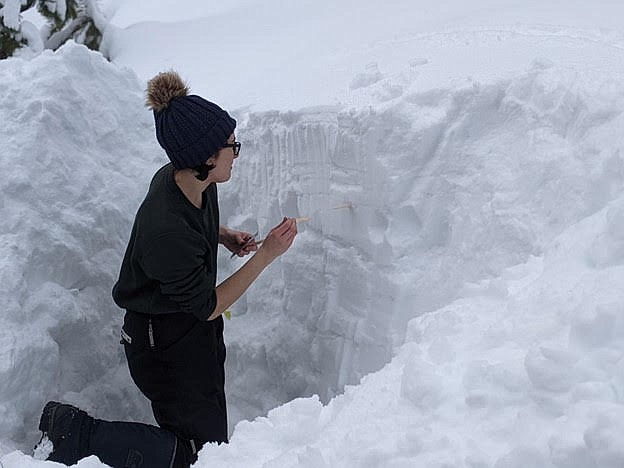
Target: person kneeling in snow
point(173, 326)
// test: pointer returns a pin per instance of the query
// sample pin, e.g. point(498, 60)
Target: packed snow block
point(551, 369)
point(524, 456)
point(421, 384)
point(493, 385)
point(604, 391)
point(608, 248)
point(595, 326)
point(307, 413)
point(29, 361)
point(426, 329)
point(605, 439)
point(568, 451)
point(291, 430)
point(370, 76)
point(312, 458)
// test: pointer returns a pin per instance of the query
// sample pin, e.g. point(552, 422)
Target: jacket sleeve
point(180, 263)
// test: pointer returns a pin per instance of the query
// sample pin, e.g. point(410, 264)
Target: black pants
point(178, 363)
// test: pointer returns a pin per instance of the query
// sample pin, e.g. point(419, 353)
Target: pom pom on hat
point(188, 127)
point(163, 88)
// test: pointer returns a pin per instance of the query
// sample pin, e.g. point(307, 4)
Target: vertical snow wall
point(442, 188)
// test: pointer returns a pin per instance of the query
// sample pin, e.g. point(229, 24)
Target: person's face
point(223, 161)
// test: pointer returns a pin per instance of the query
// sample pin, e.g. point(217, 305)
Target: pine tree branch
point(58, 38)
point(28, 5)
point(93, 10)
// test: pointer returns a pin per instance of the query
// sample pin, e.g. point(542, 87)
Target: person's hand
point(280, 238)
point(238, 242)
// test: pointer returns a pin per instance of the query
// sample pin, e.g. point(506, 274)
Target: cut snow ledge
point(476, 277)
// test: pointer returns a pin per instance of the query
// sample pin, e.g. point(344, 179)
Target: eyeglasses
point(236, 146)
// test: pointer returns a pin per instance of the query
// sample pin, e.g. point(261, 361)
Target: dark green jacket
point(170, 263)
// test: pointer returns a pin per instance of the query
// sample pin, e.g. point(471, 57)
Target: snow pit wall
point(409, 202)
point(441, 187)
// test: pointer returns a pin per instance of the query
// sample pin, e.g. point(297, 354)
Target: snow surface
point(286, 55)
point(462, 308)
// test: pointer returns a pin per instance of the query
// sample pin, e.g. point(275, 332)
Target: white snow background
point(466, 309)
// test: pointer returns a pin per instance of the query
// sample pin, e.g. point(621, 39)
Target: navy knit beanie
point(189, 128)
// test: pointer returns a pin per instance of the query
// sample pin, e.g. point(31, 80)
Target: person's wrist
point(264, 257)
point(224, 234)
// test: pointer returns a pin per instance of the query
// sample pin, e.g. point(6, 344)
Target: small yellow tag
point(228, 314)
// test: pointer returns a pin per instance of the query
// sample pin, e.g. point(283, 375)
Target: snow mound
point(524, 369)
point(74, 171)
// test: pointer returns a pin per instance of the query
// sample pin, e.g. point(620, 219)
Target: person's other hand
point(239, 242)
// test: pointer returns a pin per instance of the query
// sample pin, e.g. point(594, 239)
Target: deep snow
point(477, 267)
point(273, 54)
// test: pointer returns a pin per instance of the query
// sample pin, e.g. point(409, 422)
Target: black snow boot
point(76, 435)
point(68, 429)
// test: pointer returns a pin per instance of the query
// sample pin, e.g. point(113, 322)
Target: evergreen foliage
point(66, 19)
point(9, 42)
